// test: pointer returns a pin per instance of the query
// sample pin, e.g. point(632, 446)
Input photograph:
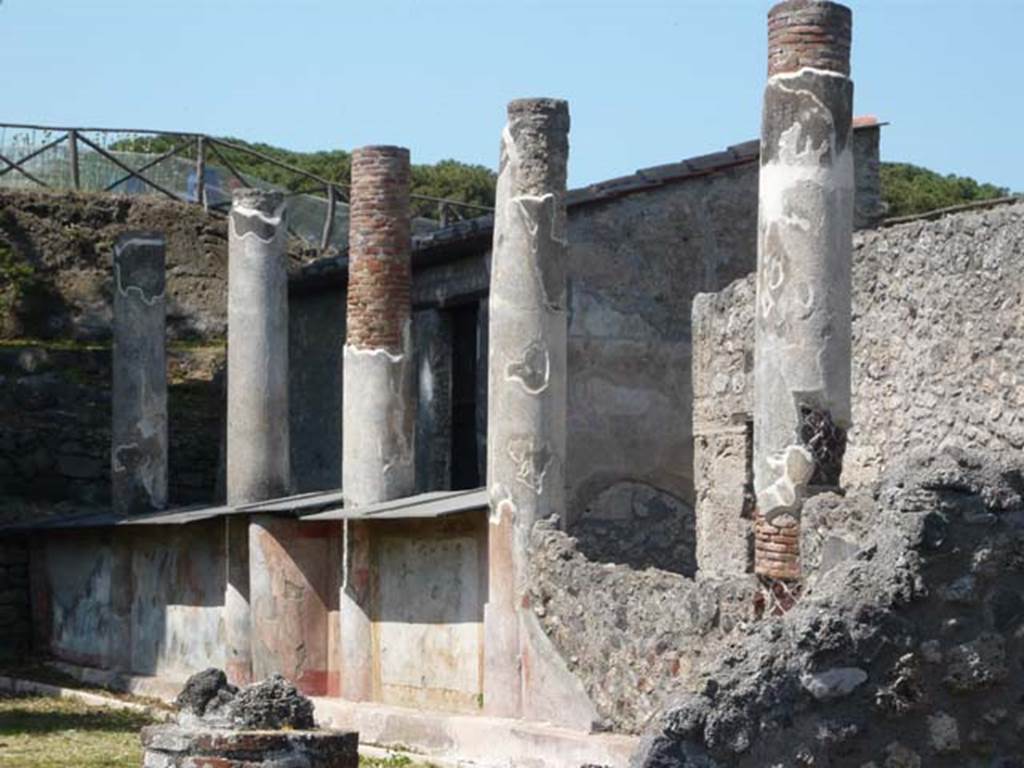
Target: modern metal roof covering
point(316, 506)
point(105, 519)
point(298, 504)
point(424, 505)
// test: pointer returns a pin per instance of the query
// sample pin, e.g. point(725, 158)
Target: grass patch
point(391, 761)
point(43, 732)
point(38, 671)
point(71, 345)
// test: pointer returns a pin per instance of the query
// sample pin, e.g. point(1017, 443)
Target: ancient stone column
point(257, 440)
point(139, 430)
point(526, 411)
point(378, 426)
point(257, 455)
point(379, 395)
point(527, 324)
point(805, 224)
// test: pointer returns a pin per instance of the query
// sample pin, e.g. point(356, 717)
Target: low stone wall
point(15, 625)
point(633, 637)
point(938, 360)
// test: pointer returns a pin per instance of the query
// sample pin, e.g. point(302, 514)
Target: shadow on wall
point(29, 306)
point(639, 525)
point(196, 413)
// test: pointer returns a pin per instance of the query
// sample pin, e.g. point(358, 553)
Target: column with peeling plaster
point(139, 408)
point(803, 314)
point(526, 408)
point(257, 441)
point(378, 431)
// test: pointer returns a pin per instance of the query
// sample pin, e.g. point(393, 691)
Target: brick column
point(526, 409)
point(379, 417)
point(257, 442)
point(378, 425)
point(139, 426)
point(802, 323)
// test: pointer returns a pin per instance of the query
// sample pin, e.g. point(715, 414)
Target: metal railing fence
point(188, 167)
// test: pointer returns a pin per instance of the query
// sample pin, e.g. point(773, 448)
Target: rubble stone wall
point(633, 637)
point(55, 426)
point(905, 648)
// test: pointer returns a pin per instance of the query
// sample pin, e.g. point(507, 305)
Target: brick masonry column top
point(379, 246)
point(809, 33)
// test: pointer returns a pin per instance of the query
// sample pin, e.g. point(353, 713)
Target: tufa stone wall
point(938, 345)
point(55, 425)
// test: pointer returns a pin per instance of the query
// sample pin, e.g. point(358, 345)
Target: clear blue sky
point(649, 81)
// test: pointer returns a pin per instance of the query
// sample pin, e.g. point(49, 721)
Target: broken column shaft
point(139, 426)
point(805, 225)
point(379, 418)
point(527, 366)
point(257, 440)
point(379, 413)
point(526, 406)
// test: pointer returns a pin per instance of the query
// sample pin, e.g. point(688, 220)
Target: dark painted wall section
point(15, 625)
point(316, 335)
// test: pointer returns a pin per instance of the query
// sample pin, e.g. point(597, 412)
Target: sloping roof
point(314, 507)
point(299, 504)
point(108, 519)
point(465, 237)
point(424, 505)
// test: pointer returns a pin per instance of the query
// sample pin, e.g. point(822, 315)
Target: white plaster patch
point(132, 242)
point(807, 71)
point(274, 220)
point(535, 352)
point(501, 504)
point(426, 382)
point(532, 463)
point(134, 290)
point(528, 208)
point(795, 466)
point(118, 466)
point(373, 352)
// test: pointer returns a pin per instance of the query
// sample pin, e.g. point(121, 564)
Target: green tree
point(909, 189)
